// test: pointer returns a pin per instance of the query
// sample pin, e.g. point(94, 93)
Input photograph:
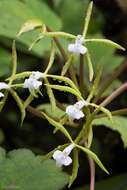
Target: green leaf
point(50, 95)
point(58, 126)
point(120, 125)
point(87, 19)
point(107, 42)
point(75, 167)
point(106, 111)
point(52, 56)
point(67, 65)
point(90, 66)
point(94, 156)
point(28, 172)
point(110, 60)
point(112, 183)
point(19, 104)
point(96, 82)
point(30, 25)
point(18, 12)
point(66, 80)
point(66, 89)
point(5, 61)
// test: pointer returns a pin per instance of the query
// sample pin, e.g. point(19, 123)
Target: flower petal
point(80, 104)
point(83, 49)
point(1, 95)
point(68, 149)
point(67, 161)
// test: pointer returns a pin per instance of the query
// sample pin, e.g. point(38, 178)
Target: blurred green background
point(109, 20)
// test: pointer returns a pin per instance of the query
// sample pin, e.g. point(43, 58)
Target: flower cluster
point(74, 112)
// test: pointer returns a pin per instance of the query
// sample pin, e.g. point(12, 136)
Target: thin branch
point(114, 94)
point(40, 115)
point(92, 173)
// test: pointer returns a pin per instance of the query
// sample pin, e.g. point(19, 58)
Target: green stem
point(71, 69)
point(114, 95)
point(86, 126)
point(81, 75)
point(109, 81)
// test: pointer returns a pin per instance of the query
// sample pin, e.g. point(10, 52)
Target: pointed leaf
point(28, 101)
point(50, 95)
point(67, 65)
point(75, 167)
point(31, 25)
point(58, 34)
point(14, 59)
point(66, 89)
point(52, 55)
point(20, 105)
point(87, 18)
point(96, 82)
point(20, 75)
point(66, 80)
point(58, 126)
point(90, 66)
point(106, 111)
point(107, 42)
point(94, 156)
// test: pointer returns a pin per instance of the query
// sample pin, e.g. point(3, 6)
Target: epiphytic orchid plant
point(84, 110)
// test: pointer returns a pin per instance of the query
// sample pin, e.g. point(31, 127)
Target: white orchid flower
point(3, 86)
point(32, 84)
point(62, 157)
point(74, 112)
point(77, 48)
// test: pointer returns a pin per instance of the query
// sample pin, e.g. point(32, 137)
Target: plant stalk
point(114, 94)
point(81, 75)
point(71, 70)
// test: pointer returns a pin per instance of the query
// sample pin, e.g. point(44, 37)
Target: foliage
point(12, 11)
point(120, 125)
point(82, 115)
point(22, 169)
